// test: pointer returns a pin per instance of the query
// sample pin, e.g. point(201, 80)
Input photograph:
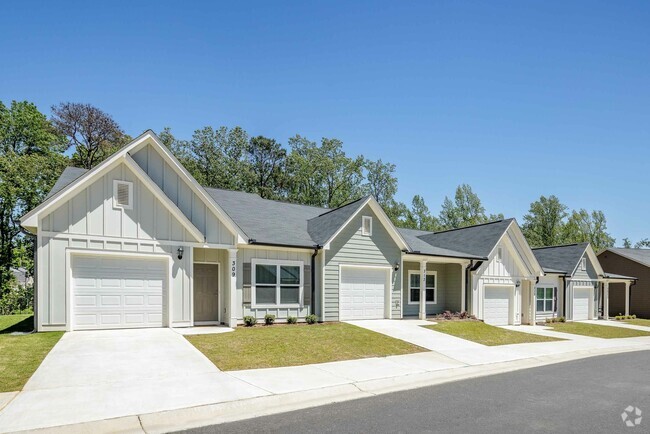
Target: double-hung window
point(277, 283)
point(414, 287)
point(545, 299)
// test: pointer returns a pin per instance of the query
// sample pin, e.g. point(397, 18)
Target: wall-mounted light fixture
point(396, 267)
point(518, 283)
point(180, 252)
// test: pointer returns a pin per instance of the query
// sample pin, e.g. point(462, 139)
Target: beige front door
point(206, 292)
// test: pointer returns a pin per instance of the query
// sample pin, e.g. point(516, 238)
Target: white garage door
point(496, 306)
point(117, 292)
point(581, 303)
point(362, 293)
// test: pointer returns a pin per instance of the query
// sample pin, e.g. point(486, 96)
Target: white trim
point(583, 264)
point(69, 251)
point(139, 241)
point(364, 219)
point(116, 184)
point(388, 299)
point(277, 263)
point(435, 287)
point(511, 303)
point(553, 298)
point(499, 255)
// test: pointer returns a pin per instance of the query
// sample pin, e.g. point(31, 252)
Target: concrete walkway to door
point(93, 375)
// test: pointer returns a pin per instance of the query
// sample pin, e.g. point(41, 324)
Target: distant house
point(22, 277)
point(632, 262)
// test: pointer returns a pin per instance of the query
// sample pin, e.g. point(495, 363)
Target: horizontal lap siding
point(350, 247)
point(449, 282)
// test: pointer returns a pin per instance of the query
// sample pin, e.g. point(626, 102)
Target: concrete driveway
point(95, 375)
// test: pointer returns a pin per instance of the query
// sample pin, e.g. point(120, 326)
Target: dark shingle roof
point(638, 255)
point(322, 227)
point(563, 259)
point(477, 240)
point(412, 238)
point(69, 174)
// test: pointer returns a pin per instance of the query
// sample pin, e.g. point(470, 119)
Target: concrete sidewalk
point(210, 396)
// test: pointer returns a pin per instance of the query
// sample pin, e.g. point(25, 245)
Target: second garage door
point(581, 303)
point(497, 305)
point(362, 293)
point(117, 292)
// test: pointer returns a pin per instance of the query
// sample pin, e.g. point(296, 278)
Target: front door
point(206, 292)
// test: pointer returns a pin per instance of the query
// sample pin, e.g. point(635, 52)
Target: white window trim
point(277, 263)
point(117, 182)
point(364, 219)
point(545, 287)
point(435, 287)
point(583, 264)
point(499, 254)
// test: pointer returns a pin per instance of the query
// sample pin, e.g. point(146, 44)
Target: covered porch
point(444, 287)
point(625, 282)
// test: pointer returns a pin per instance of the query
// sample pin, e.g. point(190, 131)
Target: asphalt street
point(582, 396)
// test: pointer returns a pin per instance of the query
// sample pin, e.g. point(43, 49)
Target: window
point(122, 194)
point(277, 283)
point(499, 254)
point(545, 299)
point(366, 225)
point(414, 287)
point(583, 264)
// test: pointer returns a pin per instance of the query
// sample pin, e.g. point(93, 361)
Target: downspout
point(313, 279)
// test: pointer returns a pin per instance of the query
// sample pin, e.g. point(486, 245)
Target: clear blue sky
point(518, 99)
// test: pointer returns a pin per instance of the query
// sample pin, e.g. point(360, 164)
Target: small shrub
point(618, 317)
point(447, 315)
point(561, 319)
point(632, 316)
point(269, 319)
point(311, 319)
point(250, 321)
point(292, 319)
point(549, 320)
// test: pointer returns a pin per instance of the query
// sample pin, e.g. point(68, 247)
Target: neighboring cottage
point(631, 262)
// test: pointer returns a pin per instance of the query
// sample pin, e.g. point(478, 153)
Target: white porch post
point(463, 289)
point(423, 290)
point(606, 301)
point(533, 297)
point(232, 286)
point(627, 298)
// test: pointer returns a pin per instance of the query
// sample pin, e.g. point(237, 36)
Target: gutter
point(254, 242)
point(417, 252)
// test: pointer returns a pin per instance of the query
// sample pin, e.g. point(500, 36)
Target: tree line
point(35, 148)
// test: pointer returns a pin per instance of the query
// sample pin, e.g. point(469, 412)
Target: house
point(137, 242)
point(574, 284)
point(636, 297)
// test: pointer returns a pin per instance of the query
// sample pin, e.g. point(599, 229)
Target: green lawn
point(21, 355)
point(293, 345)
point(638, 321)
point(486, 334)
point(597, 331)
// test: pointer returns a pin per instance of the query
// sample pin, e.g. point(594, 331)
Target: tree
point(30, 162)
point(644, 243)
point(419, 217)
point(381, 181)
point(465, 210)
point(585, 227)
point(92, 133)
point(627, 244)
point(268, 160)
point(544, 223)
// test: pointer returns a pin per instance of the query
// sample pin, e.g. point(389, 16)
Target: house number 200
point(234, 269)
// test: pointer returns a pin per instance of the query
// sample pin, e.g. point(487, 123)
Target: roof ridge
point(473, 226)
point(340, 207)
point(558, 246)
point(284, 202)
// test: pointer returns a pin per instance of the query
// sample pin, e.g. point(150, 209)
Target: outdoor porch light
point(518, 284)
point(396, 267)
point(180, 253)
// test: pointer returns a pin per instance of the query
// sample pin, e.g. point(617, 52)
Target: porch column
point(533, 297)
point(627, 297)
point(232, 286)
point(423, 290)
point(606, 301)
point(463, 283)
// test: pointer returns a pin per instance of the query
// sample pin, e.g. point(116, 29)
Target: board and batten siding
point(89, 221)
point(583, 278)
point(448, 285)
point(182, 195)
point(246, 255)
point(353, 248)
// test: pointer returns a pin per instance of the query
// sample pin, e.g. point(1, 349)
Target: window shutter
point(246, 280)
point(122, 196)
point(307, 285)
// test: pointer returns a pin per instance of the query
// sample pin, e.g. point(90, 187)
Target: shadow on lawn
point(24, 326)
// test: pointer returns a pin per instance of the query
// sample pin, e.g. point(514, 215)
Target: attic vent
point(123, 194)
point(366, 225)
point(583, 264)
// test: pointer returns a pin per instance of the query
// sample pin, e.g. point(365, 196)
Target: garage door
point(362, 293)
point(581, 303)
point(496, 306)
point(117, 292)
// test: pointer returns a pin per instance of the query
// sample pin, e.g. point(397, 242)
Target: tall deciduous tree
point(92, 133)
point(544, 223)
point(465, 210)
point(268, 160)
point(419, 217)
point(642, 244)
point(583, 226)
point(381, 181)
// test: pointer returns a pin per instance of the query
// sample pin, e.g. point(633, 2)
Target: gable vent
point(123, 192)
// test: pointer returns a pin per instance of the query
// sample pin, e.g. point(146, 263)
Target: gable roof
point(477, 240)
point(560, 259)
point(69, 175)
point(323, 227)
point(641, 256)
point(418, 245)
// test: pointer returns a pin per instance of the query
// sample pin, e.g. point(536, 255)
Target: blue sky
point(518, 99)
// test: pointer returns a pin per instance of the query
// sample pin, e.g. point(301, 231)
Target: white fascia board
point(527, 251)
point(589, 251)
point(242, 238)
point(166, 201)
point(31, 218)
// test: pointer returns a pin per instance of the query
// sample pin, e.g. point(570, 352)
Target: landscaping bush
point(448, 315)
point(561, 319)
point(250, 321)
point(269, 319)
point(620, 317)
point(311, 319)
point(292, 319)
point(17, 299)
point(555, 319)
